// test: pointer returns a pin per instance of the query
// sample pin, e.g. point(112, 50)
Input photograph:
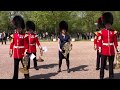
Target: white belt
point(108, 44)
point(32, 44)
point(18, 46)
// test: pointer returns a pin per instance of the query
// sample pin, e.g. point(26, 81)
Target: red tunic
point(17, 45)
point(31, 41)
point(107, 41)
point(96, 41)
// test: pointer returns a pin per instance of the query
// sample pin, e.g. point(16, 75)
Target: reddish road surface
point(82, 63)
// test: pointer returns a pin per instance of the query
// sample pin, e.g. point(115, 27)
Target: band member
point(62, 39)
point(17, 44)
point(4, 37)
point(107, 41)
point(32, 40)
point(99, 27)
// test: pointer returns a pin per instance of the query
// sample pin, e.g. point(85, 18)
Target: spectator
point(4, 37)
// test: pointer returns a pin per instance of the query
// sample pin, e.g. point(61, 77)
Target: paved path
point(82, 63)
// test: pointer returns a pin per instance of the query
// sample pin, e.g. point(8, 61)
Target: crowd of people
point(85, 36)
point(47, 36)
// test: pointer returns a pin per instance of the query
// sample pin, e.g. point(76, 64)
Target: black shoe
point(111, 77)
point(36, 68)
point(27, 77)
point(28, 67)
point(97, 68)
point(101, 77)
point(68, 70)
point(106, 68)
point(59, 70)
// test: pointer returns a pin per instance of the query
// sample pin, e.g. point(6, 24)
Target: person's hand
point(60, 50)
point(41, 52)
point(10, 53)
point(25, 53)
point(95, 48)
point(99, 51)
point(118, 51)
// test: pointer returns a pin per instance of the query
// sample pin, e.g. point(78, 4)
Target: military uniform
point(107, 41)
point(99, 26)
point(32, 40)
point(17, 45)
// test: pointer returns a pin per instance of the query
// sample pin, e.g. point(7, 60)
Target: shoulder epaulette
point(100, 32)
point(115, 32)
point(36, 35)
point(95, 33)
point(11, 35)
point(26, 35)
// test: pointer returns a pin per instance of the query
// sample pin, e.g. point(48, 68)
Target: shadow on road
point(43, 76)
point(46, 66)
point(116, 76)
point(79, 68)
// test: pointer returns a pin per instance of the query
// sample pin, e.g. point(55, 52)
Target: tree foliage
point(79, 21)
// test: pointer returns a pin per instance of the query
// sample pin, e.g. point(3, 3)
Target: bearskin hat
point(63, 25)
point(100, 23)
point(107, 18)
point(30, 25)
point(18, 22)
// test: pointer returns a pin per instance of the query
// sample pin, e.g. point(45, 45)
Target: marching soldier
point(62, 39)
point(107, 41)
point(99, 27)
point(17, 45)
point(31, 41)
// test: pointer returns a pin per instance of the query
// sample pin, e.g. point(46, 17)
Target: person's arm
point(100, 42)
point(11, 46)
point(26, 44)
point(38, 43)
point(59, 45)
point(95, 42)
point(115, 41)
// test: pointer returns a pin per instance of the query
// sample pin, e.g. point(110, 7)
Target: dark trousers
point(99, 60)
point(34, 60)
point(103, 60)
point(3, 40)
point(61, 57)
point(16, 69)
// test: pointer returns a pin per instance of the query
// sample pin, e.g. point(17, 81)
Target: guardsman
point(31, 41)
point(107, 42)
point(99, 27)
point(17, 44)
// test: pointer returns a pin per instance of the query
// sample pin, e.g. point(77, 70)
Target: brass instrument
point(117, 66)
point(25, 70)
point(67, 47)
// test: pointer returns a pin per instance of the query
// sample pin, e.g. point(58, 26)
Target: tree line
point(79, 21)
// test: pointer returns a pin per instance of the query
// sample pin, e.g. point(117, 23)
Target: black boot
point(97, 68)
point(36, 68)
point(68, 70)
point(101, 78)
point(59, 70)
point(26, 76)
